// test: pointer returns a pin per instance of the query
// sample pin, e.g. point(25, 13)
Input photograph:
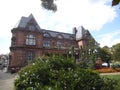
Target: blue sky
point(109, 34)
point(97, 16)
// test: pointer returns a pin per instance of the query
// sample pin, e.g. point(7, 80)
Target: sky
point(97, 16)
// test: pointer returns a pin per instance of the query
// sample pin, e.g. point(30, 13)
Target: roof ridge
point(56, 31)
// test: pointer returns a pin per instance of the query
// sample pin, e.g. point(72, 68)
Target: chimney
point(74, 30)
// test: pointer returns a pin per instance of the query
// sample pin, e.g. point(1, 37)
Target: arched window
point(46, 35)
point(30, 40)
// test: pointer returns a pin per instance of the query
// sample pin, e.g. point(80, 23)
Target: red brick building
point(29, 41)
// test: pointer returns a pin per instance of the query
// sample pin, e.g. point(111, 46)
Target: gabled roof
point(25, 20)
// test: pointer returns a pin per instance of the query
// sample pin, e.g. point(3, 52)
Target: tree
point(105, 54)
point(50, 5)
point(115, 2)
point(89, 54)
point(116, 52)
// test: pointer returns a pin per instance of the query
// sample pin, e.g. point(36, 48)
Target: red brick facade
point(29, 41)
point(19, 47)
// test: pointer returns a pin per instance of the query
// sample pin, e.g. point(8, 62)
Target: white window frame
point(46, 43)
point(30, 56)
point(30, 40)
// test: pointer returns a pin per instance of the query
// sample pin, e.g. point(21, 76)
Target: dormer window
point(31, 27)
point(60, 36)
point(30, 40)
point(46, 35)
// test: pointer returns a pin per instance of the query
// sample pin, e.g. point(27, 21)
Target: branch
point(115, 2)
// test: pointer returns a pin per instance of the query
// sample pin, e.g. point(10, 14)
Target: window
point(30, 56)
point(30, 40)
point(46, 43)
point(31, 27)
point(71, 38)
point(13, 41)
point(46, 35)
point(60, 44)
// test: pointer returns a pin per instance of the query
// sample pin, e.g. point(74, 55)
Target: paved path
point(6, 81)
point(117, 73)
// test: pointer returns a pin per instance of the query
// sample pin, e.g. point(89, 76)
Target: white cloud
point(82, 12)
point(92, 14)
point(110, 39)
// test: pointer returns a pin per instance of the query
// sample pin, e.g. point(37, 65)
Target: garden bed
point(108, 70)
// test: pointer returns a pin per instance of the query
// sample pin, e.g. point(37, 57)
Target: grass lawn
point(116, 77)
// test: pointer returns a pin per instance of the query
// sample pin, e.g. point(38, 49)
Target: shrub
point(57, 73)
point(116, 66)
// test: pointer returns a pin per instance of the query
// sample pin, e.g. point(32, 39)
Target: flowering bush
point(60, 74)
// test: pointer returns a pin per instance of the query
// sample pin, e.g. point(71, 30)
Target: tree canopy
point(105, 54)
point(115, 2)
point(116, 52)
point(49, 5)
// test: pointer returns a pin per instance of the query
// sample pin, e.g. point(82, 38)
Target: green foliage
point(116, 52)
point(105, 54)
point(89, 54)
point(110, 84)
point(83, 64)
point(114, 78)
point(116, 65)
point(58, 73)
